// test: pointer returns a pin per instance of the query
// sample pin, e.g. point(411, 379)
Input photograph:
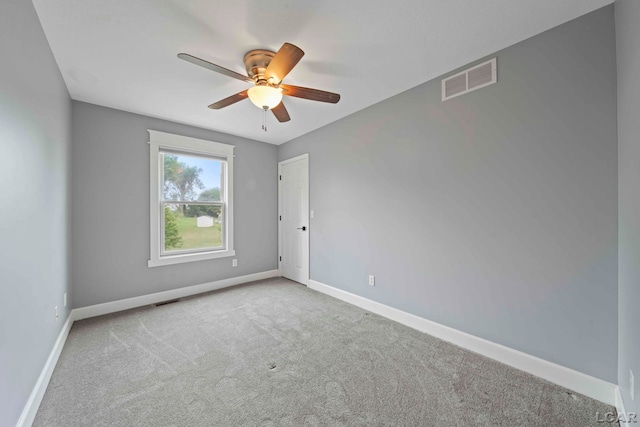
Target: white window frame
point(157, 142)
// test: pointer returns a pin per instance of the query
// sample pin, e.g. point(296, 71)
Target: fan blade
point(308, 93)
point(213, 67)
point(284, 61)
point(228, 101)
point(281, 113)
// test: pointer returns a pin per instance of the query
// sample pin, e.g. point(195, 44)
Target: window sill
point(179, 259)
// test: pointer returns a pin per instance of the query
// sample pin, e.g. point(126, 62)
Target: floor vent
point(171, 301)
point(471, 79)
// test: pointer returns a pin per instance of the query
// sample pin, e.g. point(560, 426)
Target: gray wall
point(627, 13)
point(110, 208)
point(494, 213)
point(35, 122)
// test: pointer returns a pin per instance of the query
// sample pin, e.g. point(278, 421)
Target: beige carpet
point(274, 353)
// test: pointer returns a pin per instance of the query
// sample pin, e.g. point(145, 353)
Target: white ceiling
point(122, 53)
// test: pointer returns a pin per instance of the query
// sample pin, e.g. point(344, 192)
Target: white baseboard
point(128, 303)
point(623, 415)
point(561, 375)
point(33, 403)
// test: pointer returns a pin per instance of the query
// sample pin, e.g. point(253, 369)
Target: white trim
point(33, 403)
point(304, 156)
point(179, 142)
point(577, 381)
point(128, 303)
point(621, 410)
point(189, 257)
point(294, 159)
point(159, 140)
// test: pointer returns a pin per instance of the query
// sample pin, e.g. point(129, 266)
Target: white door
point(293, 218)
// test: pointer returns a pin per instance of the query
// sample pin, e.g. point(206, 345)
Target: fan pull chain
point(264, 119)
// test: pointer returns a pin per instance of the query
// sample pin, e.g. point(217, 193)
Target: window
point(191, 199)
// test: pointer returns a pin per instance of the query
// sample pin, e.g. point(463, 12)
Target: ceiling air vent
point(468, 80)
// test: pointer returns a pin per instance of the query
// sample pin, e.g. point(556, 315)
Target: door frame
point(280, 164)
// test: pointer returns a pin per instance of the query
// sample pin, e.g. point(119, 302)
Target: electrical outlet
point(55, 309)
point(632, 386)
point(372, 280)
point(312, 213)
point(65, 299)
point(234, 263)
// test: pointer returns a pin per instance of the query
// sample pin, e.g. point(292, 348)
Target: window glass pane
point(192, 227)
point(192, 178)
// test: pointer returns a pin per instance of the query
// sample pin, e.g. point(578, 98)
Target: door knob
point(303, 228)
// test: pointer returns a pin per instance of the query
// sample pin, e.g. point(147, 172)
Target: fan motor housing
point(256, 62)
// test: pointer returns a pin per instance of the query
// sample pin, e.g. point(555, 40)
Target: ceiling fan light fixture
point(266, 70)
point(265, 97)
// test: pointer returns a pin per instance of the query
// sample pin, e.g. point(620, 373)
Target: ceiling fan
point(266, 70)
